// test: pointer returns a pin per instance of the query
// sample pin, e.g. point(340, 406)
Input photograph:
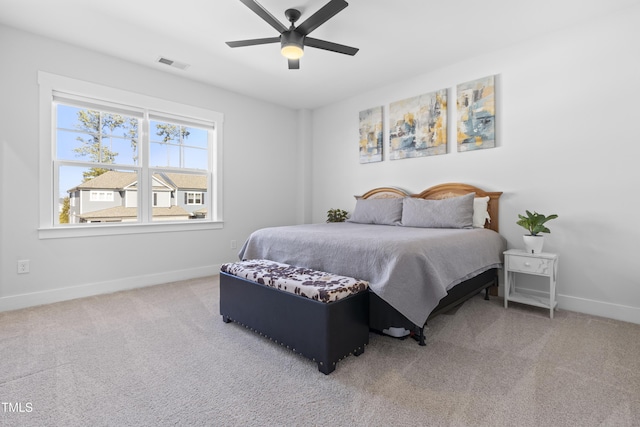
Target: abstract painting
point(418, 126)
point(476, 107)
point(371, 135)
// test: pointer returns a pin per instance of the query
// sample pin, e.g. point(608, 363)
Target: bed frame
point(383, 315)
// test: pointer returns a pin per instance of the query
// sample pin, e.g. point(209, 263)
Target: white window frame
point(196, 196)
point(48, 191)
point(101, 196)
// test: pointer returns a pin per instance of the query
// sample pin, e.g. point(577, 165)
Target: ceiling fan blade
point(253, 42)
point(333, 47)
point(321, 16)
point(294, 64)
point(264, 14)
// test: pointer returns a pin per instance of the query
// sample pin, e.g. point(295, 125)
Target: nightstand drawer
point(526, 264)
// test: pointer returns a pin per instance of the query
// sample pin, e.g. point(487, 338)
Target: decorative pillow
point(480, 213)
point(454, 212)
point(377, 211)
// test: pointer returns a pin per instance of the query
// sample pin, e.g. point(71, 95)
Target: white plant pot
point(533, 244)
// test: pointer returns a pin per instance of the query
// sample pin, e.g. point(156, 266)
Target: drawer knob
point(527, 264)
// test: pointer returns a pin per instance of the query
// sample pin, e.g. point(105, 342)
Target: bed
point(419, 252)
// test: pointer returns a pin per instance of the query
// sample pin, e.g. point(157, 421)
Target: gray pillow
point(377, 211)
point(454, 212)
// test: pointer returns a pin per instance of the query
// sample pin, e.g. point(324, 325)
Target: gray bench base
point(322, 332)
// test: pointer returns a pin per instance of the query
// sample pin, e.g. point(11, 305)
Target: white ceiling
point(397, 39)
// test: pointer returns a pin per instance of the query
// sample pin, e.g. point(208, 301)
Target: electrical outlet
point(23, 266)
point(234, 244)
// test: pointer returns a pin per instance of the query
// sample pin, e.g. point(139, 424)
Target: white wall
point(258, 159)
point(568, 144)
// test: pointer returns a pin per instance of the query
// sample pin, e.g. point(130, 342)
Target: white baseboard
point(598, 308)
point(15, 302)
point(609, 310)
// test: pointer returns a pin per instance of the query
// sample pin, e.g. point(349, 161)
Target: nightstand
point(517, 261)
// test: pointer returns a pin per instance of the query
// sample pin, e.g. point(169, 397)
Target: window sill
point(71, 231)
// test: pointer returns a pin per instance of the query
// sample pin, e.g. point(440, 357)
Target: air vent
point(172, 63)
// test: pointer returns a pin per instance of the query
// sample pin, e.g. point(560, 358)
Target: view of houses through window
point(112, 161)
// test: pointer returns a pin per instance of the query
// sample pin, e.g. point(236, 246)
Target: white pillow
point(480, 212)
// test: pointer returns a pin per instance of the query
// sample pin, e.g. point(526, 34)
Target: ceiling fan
point(294, 39)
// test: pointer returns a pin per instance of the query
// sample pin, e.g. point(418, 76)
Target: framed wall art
point(476, 113)
point(371, 135)
point(418, 126)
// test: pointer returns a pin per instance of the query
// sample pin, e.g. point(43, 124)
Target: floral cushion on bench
point(313, 284)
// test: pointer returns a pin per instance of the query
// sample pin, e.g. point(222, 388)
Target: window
point(101, 196)
point(193, 198)
point(121, 158)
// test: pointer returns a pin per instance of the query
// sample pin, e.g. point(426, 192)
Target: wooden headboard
point(384, 193)
point(443, 191)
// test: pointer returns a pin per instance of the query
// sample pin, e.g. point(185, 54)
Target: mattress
point(410, 268)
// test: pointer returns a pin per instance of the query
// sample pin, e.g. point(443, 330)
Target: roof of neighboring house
point(111, 180)
point(122, 212)
point(186, 181)
point(117, 180)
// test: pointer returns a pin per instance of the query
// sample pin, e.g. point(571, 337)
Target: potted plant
point(336, 215)
point(534, 223)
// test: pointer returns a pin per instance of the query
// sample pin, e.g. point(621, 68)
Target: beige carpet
point(162, 356)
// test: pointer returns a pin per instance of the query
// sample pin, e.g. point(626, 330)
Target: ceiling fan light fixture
point(292, 46)
point(292, 51)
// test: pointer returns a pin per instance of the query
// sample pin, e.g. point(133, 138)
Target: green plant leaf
point(336, 215)
point(534, 222)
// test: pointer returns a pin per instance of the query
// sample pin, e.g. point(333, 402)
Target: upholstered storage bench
point(322, 316)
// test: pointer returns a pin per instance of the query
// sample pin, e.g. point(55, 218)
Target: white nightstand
point(542, 264)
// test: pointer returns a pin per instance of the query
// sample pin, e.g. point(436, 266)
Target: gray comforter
point(410, 268)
